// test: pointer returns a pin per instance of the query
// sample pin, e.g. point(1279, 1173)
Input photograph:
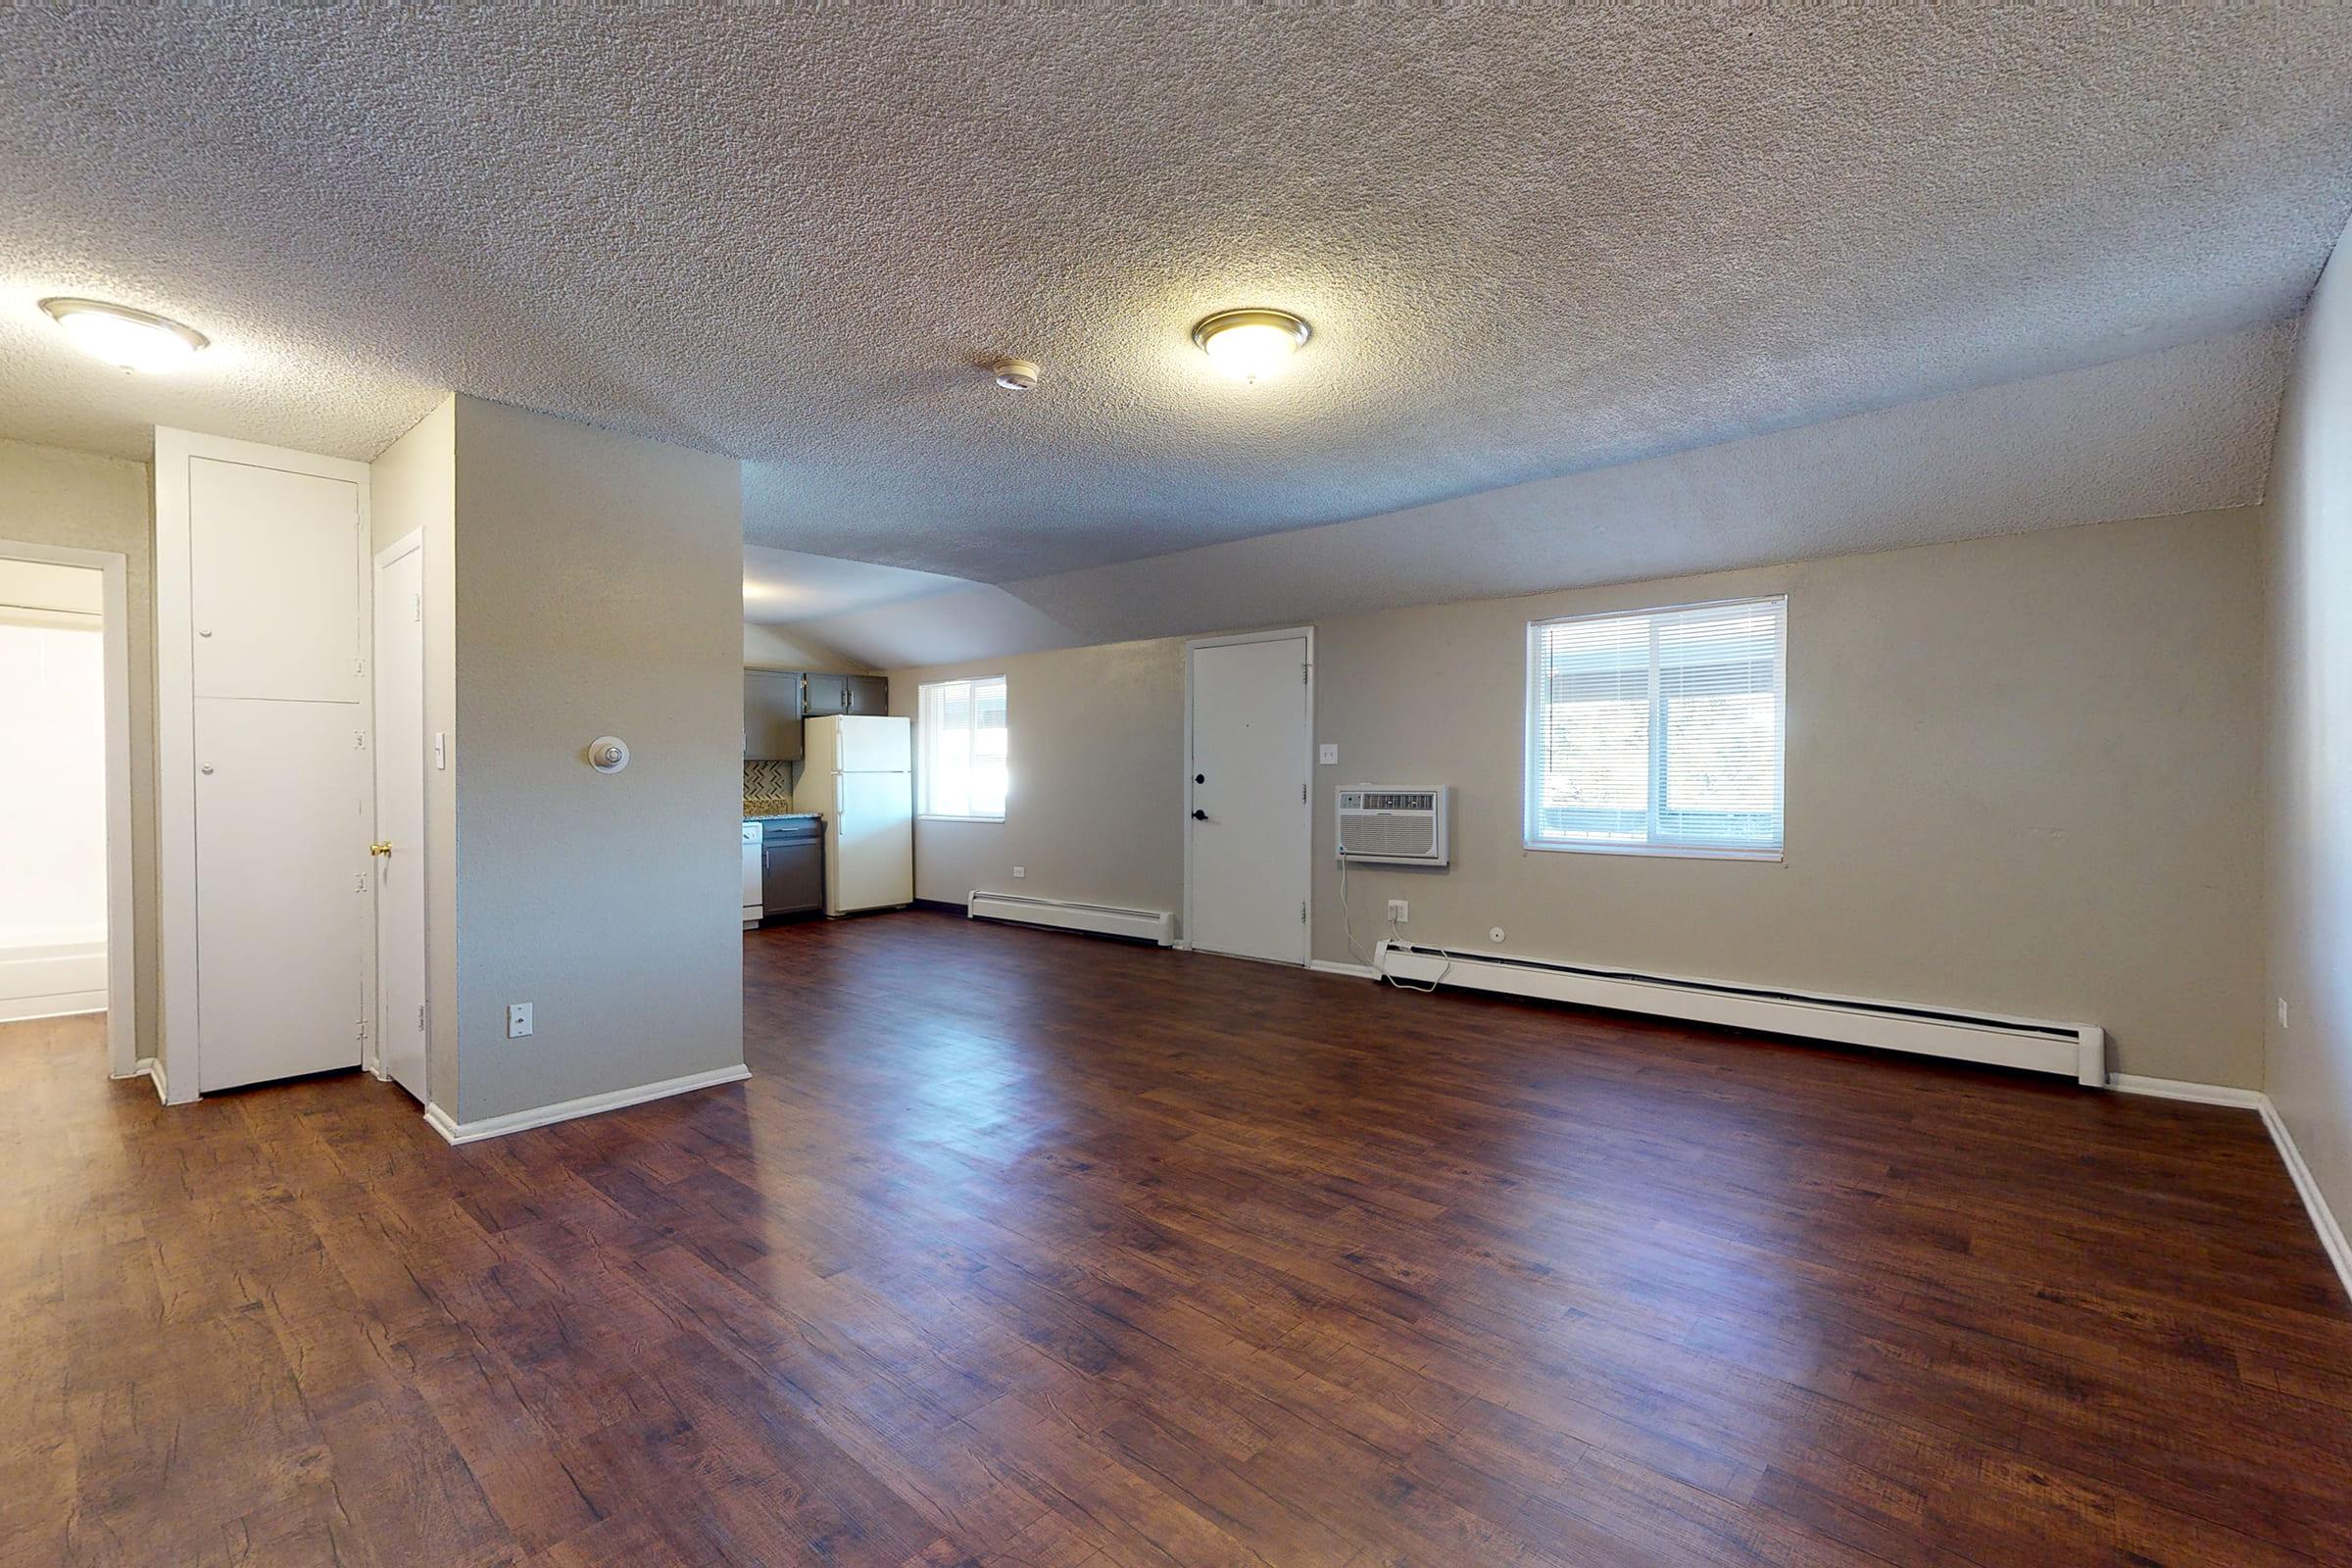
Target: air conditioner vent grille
point(1391, 824)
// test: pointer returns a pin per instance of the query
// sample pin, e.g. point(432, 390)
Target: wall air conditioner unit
point(1387, 825)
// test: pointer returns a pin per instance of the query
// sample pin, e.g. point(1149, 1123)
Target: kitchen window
point(964, 749)
point(1658, 732)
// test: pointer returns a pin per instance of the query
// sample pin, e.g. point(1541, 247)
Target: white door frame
point(374, 1058)
point(121, 929)
point(175, 722)
point(1230, 640)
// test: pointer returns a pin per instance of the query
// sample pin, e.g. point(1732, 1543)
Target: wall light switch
point(1020, 870)
point(519, 1019)
point(1328, 754)
point(441, 748)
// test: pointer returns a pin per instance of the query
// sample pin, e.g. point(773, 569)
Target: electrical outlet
point(1329, 753)
point(1397, 910)
point(519, 1019)
point(1020, 870)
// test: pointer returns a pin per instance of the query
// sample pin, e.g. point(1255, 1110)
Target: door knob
point(380, 847)
point(1199, 816)
point(1199, 778)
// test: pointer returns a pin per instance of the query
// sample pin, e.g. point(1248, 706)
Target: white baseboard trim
point(1361, 971)
point(2323, 1218)
point(2178, 1089)
point(152, 1070)
point(55, 1004)
point(473, 1132)
point(2315, 1204)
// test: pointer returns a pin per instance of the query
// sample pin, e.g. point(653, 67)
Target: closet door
point(267, 810)
point(284, 905)
point(276, 572)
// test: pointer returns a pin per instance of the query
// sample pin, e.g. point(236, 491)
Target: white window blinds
point(1658, 730)
point(964, 748)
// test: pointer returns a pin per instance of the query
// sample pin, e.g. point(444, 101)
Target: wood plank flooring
point(1029, 1249)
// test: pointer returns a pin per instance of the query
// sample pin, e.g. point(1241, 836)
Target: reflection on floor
point(1034, 1248)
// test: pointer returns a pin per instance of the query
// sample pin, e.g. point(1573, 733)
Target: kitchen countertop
point(783, 816)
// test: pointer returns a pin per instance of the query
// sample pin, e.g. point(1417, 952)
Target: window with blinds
point(963, 749)
point(1658, 731)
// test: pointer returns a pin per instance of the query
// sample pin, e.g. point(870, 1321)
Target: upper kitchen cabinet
point(771, 716)
point(829, 695)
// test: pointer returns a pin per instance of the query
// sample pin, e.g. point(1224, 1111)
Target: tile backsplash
point(767, 786)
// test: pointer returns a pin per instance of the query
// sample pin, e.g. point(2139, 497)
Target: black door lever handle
point(1199, 816)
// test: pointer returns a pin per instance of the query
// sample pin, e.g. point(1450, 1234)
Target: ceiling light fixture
point(133, 339)
point(1253, 344)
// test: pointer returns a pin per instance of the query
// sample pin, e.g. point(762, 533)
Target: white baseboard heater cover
point(1148, 925)
point(2073, 1050)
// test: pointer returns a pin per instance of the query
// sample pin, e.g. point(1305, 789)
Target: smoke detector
point(1015, 376)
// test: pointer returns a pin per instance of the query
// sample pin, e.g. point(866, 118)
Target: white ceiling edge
point(780, 648)
point(2179, 430)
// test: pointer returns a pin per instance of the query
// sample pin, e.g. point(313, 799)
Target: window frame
point(1530, 759)
point(922, 755)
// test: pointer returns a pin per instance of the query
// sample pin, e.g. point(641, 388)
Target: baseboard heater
point(2072, 1051)
point(1146, 925)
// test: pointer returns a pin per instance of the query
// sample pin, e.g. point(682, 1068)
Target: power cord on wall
point(1347, 929)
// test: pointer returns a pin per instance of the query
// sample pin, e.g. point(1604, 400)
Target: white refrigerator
point(859, 773)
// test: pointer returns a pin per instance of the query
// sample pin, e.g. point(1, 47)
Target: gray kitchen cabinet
point(771, 716)
point(792, 865)
point(828, 694)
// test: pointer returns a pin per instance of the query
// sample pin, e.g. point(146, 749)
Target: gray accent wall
point(599, 583)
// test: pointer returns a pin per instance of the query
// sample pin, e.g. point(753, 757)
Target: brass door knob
point(380, 847)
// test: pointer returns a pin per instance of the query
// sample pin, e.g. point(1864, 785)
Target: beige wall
point(1097, 793)
point(79, 501)
point(599, 587)
point(2310, 1048)
point(413, 487)
point(2024, 777)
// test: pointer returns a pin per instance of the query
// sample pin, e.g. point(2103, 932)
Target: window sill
point(1663, 852)
point(943, 816)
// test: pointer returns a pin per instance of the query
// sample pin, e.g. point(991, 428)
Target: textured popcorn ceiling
point(2182, 429)
point(1532, 242)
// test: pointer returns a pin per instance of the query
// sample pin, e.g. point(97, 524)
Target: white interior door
point(1247, 823)
point(399, 657)
point(869, 859)
point(282, 903)
point(275, 572)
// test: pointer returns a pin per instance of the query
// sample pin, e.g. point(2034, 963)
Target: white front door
point(401, 1027)
point(1247, 822)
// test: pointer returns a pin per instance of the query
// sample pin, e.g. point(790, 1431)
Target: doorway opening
point(67, 941)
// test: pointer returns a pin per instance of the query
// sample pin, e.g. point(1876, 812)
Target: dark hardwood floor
point(1027, 1248)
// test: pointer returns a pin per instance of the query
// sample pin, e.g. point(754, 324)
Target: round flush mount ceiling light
point(133, 339)
point(1253, 344)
